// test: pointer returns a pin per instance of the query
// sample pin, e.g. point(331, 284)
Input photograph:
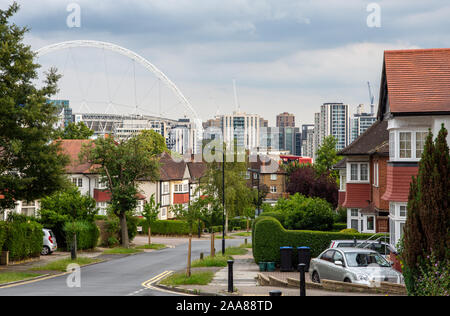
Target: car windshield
point(364, 259)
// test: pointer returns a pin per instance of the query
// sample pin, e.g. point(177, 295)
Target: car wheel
point(315, 277)
point(347, 280)
point(45, 251)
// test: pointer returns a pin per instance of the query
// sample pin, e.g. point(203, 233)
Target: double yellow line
point(148, 284)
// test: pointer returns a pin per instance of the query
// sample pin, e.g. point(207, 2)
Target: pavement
point(245, 272)
point(120, 275)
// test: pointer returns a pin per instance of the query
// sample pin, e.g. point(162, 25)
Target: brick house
point(361, 180)
point(380, 164)
point(269, 174)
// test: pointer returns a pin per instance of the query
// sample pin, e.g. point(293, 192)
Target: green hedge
point(87, 235)
point(23, 239)
point(278, 215)
point(339, 226)
point(269, 235)
point(2, 234)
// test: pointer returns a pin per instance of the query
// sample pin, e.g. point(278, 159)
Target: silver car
point(353, 265)
point(49, 242)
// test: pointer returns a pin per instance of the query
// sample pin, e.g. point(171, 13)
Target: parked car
point(353, 265)
point(383, 248)
point(50, 244)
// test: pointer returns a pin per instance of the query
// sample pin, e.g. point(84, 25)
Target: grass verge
point(196, 278)
point(121, 251)
point(243, 234)
point(248, 245)
point(7, 277)
point(235, 251)
point(226, 237)
point(152, 246)
point(216, 261)
point(61, 265)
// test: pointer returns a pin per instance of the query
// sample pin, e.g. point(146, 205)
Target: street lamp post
point(223, 201)
point(258, 203)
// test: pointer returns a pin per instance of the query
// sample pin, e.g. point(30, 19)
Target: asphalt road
point(120, 277)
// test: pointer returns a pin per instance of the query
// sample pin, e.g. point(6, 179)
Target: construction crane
point(372, 99)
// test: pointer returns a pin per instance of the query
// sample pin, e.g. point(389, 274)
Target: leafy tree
point(31, 165)
point(122, 164)
point(303, 213)
point(150, 213)
point(326, 157)
point(426, 232)
point(238, 195)
point(63, 207)
point(308, 182)
point(75, 131)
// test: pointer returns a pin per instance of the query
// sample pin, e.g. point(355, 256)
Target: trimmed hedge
point(269, 235)
point(167, 227)
point(23, 240)
point(278, 215)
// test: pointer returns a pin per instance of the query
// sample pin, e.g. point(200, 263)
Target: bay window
point(358, 172)
point(406, 145)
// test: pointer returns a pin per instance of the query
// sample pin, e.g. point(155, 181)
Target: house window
point(420, 143)
point(354, 224)
point(186, 187)
point(273, 177)
point(255, 176)
point(165, 188)
point(343, 183)
point(273, 189)
point(405, 145)
point(247, 175)
point(165, 200)
point(78, 182)
point(375, 174)
point(354, 172)
point(403, 211)
point(359, 172)
point(354, 212)
point(364, 172)
point(370, 223)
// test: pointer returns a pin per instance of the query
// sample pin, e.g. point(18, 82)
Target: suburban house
point(379, 165)
point(414, 98)
point(269, 174)
point(362, 182)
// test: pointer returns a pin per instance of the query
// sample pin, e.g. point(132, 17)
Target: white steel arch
point(130, 54)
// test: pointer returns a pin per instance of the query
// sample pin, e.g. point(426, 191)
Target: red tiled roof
point(418, 80)
point(371, 141)
point(197, 169)
point(72, 148)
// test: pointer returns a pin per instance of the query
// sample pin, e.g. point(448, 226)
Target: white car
point(49, 242)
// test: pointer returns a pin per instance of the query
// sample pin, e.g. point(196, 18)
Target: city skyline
point(279, 53)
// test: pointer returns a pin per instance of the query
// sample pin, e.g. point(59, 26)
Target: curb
point(25, 280)
point(186, 291)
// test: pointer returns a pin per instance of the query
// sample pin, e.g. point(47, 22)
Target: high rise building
point(64, 112)
point(239, 127)
point(285, 120)
point(334, 121)
point(360, 122)
point(307, 140)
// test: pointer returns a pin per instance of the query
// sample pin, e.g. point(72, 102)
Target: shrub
point(341, 215)
point(23, 239)
point(269, 236)
point(281, 217)
point(434, 278)
point(113, 228)
point(87, 234)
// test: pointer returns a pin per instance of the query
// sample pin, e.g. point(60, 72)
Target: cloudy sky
point(285, 55)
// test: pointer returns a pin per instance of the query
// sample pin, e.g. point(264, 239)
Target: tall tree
point(426, 231)
point(122, 164)
point(327, 157)
point(237, 194)
point(75, 131)
point(150, 213)
point(31, 165)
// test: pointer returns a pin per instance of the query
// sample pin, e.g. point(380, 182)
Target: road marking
point(155, 279)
